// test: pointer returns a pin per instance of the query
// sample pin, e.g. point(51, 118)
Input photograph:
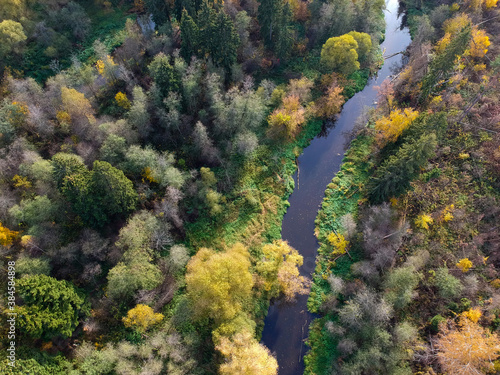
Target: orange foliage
point(466, 348)
point(331, 103)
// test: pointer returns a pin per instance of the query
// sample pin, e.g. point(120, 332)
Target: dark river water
point(287, 324)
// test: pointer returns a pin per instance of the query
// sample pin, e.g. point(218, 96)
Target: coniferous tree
point(189, 35)
point(274, 18)
point(443, 63)
point(395, 175)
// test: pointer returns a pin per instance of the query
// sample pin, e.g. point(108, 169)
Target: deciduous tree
point(245, 356)
point(219, 284)
point(340, 54)
point(466, 348)
point(141, 318)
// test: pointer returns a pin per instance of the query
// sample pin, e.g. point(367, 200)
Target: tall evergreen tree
point(190, 36)
point(443, 63)
point(159, 9)
point(395, 175)
point(274, 17)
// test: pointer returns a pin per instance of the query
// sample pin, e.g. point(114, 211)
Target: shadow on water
point(286, 325)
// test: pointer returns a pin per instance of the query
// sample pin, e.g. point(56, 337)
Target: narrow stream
point(286, 325)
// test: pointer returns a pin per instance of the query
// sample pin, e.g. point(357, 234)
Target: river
point(287, 324)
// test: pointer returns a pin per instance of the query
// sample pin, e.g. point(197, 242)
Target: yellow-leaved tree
point(141, 317)
point(389, 128)
point(479, 43)
point(286, 120)
point(7, 236)
point(466, 348)
point(245, 356)
point(76, 105)
point(279, 269)
point(219, 284)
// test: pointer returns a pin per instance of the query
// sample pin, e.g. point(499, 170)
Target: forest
point(147, 154)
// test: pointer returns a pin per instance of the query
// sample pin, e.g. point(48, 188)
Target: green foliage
point(50, 307)
point(449, 287)
point(393, 177)
point(213, 33)
point(124, 280)
point(66, 165)
point(99, 194)
point(26, 265)
point(163, 74)
point(274, 18)
point(443, 63)
point(35, 211)
point(41, 364)
point(435, 322)
point(400, 286)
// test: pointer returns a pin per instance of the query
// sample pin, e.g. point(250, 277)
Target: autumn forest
point(152, 156)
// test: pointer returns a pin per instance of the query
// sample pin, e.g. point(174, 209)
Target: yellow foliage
point(466, 348)
point(7, 236)
point(219, 284)
point(479, 67)
point(446, 214)
point(100, 66)
point(454, 7)
point(76, 104)
point(25, 240)
point(245, 356)
point(338, 242)
point(63, 117)
point(423, 221)
point(454, 25)
point(287, 119)
point(443, 43)
point(17, 115)
point(463, 155)
point(141, 317)
point(104, 67)
point(122, 100)
point(390, 128)
point(279, 269)
point(331, 103)
point(464, 264)
point(490, 3)
point(394, 201)
point(473, 314)
point(479, 43)
point(436, 100)
point(148, 175)
point(21, 182)
point(495, 283)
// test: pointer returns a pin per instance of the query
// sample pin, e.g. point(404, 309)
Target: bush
point(449, 286)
